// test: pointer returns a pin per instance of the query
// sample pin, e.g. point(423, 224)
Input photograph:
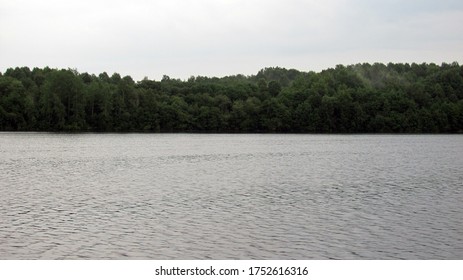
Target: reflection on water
point(189, 196)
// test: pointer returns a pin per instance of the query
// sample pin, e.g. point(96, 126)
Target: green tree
point(68, 88)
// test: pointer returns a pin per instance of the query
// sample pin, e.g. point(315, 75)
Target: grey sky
point(181, 38)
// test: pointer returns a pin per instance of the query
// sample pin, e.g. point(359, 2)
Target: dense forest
point(362, 98)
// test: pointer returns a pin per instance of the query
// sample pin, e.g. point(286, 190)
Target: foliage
point(362, 98)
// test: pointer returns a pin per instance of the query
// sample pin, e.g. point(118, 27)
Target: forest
point(361, 98)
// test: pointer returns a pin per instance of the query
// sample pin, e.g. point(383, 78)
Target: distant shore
point(361, 98)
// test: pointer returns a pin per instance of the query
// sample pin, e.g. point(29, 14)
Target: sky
point(184, 38)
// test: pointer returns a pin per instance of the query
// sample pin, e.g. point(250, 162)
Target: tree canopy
point(361, 98)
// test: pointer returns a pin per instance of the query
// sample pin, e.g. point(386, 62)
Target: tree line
point(361, 98)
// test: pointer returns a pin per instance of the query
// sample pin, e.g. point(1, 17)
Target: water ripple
point(141, 196)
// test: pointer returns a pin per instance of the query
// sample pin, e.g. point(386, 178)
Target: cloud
point(219, 37)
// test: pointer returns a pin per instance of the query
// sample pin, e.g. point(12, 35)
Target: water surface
point(201, 196)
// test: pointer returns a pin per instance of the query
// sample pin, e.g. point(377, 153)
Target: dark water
point(188, 196)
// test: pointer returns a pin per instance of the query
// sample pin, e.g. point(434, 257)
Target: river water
point(242, 196)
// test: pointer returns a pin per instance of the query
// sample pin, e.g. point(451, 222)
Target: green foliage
point(362, 98)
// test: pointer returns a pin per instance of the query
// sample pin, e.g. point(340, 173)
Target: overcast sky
point(183, 38)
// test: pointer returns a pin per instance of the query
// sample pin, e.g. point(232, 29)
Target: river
point(238, 196)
